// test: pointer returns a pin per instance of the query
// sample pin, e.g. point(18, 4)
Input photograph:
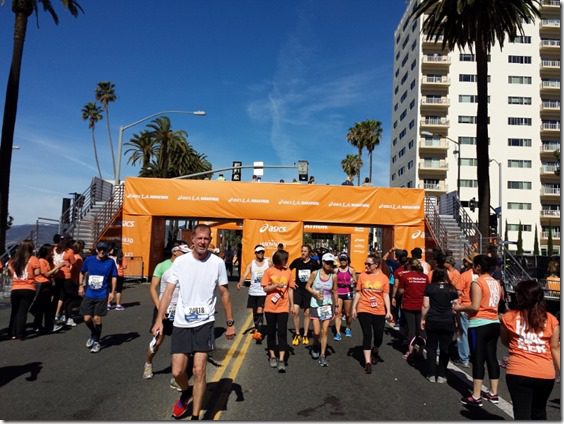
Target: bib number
point(274, 299)
point(95, 282)
point(325, 312)
point(373, 302)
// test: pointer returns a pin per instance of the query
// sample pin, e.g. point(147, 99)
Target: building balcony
point(550, 67)
point(550, 214)
point(432, 123)
point(548, 172)
point(555, 235)
point(433, 166)
point(549, 45)
point(550, 86)
point(550, 4)
point(548, 149)
point(550, 26)
point(550, 127)
point(433, 145)
point(435, 61)
point(434, 188)
point(434, 103)
point(433, 81)
point(550, 192)
point(550, 106)
point(432, 42)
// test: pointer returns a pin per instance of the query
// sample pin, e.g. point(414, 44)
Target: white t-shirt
point(198, 281)
point(255, 289)
point(174, 300)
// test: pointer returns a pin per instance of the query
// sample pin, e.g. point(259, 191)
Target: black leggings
point(483, 349)
point(276, 325)
point(413, 324)
point(70, 293)
point(21, 301)
point(438, 335)
point(41, 309)
point(371, 324)
point(529, 396)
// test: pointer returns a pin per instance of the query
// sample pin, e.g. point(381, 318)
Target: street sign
point(302, 170)
point(258, 169)
point(236, 172)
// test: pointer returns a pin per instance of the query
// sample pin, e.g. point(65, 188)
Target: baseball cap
point(259, 248)
point(344, 256)
point(182, 248)
point(328, 257)
point(102, 245)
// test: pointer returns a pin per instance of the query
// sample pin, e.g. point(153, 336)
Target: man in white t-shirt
point(201, 276)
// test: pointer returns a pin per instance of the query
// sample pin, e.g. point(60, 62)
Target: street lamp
point(457, 152)
point(500, 188)
point(124, 127)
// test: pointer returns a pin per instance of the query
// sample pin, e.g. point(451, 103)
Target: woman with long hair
point(483, 330)
point(278, 284)
point(42, 310)
point(23, 288)
point(532, 336)
point(346, 279)
point(322, 285)
point(371, 305)
point(437, 319)
point(65, 288)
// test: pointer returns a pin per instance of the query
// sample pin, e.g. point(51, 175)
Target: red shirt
point(414, 284)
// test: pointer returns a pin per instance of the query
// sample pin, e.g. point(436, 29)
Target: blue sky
point(280, 82)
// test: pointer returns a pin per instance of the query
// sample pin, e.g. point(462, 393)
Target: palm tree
point(536, 249)
point(106, 94)
point(351, 165)
point(22, 9)
point(356, 138)
point(477, 25)
point(141, 149)
point(167, 141)
point(93, 113)
point(373, 136)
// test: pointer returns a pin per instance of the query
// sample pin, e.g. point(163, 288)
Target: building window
point(517, 163)
point(403, 78)
point(522, 39)
point(468, 162)
point(410, 164)
point(467, 119)
point(395, 124)
point(469, 183)
point(518, 79)
point(519, 206)
point(414, 44)
point(401, 171)
point(394, 141)
point(519, 185)
point(412, 124)
point(467, 140)
point(467, 57)
point(519, 142)
point(412, 104)
point(519, 59)
point(402, 133)
point(518, 100)
point(393, 176)
point(410, 144)
point(519, 121)
point(469, 78)
point(412, 85)
point(396, 107)
point(413, 64)
point(467, 98)
point(401, 152)
point(403, 96)
point(394, 158)
point(515, 227)
point(403, 114)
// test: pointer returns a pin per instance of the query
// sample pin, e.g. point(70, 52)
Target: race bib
point(195, 313)
point(275, 298)
point(258, 277)
point(325, 312)
point(95, 282)
point(373, 302)
point(303, 275)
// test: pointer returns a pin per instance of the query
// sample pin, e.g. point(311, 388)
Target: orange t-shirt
point(372, 288)
point(75, 268)
point(69, 259)
point(24, 281)
point(463, 285)
point(275, 275)
point(529, 353)
point(491, 294)
point(44, 268)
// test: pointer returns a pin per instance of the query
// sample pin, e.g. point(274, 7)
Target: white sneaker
point(95, 347)
point(441, 380)
point(70, 322)
point(90, 342)
point(174, 385)
point(57, 327)
point(148, 371)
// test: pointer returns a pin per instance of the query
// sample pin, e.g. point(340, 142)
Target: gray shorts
point(94, 307)
point(191, 340)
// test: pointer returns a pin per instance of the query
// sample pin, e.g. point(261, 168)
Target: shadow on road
point(10, 373)
point(217, 395)
point(117, 339)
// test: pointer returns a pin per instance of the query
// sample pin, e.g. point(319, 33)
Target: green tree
point(141, 148)
point(520, 240)
point(550, 242)
point(351, 165)
point(373, 137)
point(22, 10)
point(477, 25)
point(167, 140)
point(92, 113)
point(536, 250)
point(365, 134)
point(106, 94)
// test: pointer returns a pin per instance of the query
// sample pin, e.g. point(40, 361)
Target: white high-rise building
point(434, 123)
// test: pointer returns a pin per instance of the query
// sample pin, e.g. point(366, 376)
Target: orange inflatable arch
point(272, 213)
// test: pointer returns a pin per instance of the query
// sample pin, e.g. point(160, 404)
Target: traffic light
point(236, 171)
point(472, 204)
point(302, 170)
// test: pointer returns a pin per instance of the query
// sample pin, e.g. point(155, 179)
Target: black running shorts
point(192, 340)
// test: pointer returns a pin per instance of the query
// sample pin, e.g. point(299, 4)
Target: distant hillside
point(21, 232)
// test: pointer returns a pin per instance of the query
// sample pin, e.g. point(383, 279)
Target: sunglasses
point(368, 264)
point(329, 262)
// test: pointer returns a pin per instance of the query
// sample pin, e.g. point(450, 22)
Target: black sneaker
point(492, 398)
point(470, 401)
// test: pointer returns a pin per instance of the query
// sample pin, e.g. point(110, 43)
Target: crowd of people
point(430, 304)
point(58, 283)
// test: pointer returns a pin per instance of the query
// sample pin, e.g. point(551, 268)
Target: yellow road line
point(236, 368)
point(221, 370)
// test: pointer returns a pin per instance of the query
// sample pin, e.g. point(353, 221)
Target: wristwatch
point(230, 323)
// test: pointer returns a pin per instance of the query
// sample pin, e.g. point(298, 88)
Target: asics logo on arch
point(273, 229)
